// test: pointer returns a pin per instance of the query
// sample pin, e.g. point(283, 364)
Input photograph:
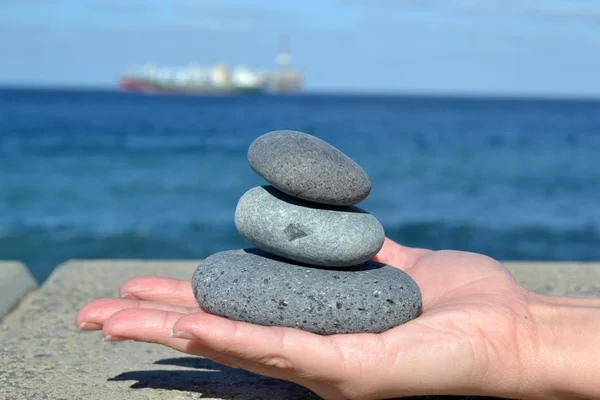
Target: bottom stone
point(253, 286)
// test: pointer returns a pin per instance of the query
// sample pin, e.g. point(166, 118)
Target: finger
point(275, 351)
point(399, 256)
point(313, 363)
point(160, 289)
point(93, 315)
point(146, 325)
point(156, 326)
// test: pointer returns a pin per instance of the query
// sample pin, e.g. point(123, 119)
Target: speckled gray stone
point(309, 168)
point(303, 231)
point(253, 286)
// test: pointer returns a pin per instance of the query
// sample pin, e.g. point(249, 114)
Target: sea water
point(99, 174)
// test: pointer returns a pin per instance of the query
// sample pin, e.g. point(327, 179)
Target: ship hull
point(147, 87)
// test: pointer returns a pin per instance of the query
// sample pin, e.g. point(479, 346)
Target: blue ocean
point(100, 174)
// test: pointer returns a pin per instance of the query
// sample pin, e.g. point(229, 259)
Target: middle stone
point(306, 232)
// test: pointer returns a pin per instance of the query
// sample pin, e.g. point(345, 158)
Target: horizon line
point(334, 92)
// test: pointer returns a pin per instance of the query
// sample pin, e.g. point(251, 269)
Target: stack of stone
point(311, 266)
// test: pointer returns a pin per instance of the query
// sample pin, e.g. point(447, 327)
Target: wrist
point(566, 355)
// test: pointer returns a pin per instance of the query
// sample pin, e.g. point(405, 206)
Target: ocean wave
point(44, 248)
point(115, 146)
point(515, 242)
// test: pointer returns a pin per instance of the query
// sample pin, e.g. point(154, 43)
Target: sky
point(490, 47)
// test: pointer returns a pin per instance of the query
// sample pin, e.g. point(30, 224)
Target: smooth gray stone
point(307, 232)
point(253, 286)
point(309, 168)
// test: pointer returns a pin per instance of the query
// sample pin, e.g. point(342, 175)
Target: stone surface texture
point(15, 282)
point(253, 286)
point(42, 354)
point(309, 168)
point(305, 232)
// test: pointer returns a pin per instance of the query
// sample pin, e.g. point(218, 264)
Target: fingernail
point(128, 296)
point(183, 335)
point(89, 326)
point(114, 338)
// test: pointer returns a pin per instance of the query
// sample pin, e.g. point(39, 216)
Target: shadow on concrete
point(217, 380)
point(214, 380)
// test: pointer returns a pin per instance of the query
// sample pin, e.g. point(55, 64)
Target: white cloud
point(121, 7)
point(581, 10)
point(233, 18)
point(245, 11)
point(29, 2)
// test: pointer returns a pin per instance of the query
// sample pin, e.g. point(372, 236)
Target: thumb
point(399, 256)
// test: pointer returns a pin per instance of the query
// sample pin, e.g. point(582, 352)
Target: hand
point(475, 336)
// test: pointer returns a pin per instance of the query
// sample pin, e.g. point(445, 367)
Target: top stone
point(308, 168)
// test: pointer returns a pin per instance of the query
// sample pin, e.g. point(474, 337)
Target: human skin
point(480, 333)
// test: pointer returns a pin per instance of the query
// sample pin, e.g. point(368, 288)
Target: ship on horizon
point(215, 80)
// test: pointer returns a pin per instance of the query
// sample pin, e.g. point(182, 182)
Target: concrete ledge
point(43, 355)
point(15, 282)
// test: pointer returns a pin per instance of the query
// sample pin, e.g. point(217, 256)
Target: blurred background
point(124, 125)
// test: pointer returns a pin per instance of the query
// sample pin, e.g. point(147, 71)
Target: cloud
point(237, 11)
point(190, 28)
point(233, 18)
point(121, 7)
point(580, 10)
point(398, 3)
point(572, 9)
point(29, 2)
point(214, 25)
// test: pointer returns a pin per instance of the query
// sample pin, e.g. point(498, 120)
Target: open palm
point(470, 338)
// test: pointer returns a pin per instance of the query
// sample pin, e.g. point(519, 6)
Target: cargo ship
point(193, 80)
point(215, 80)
